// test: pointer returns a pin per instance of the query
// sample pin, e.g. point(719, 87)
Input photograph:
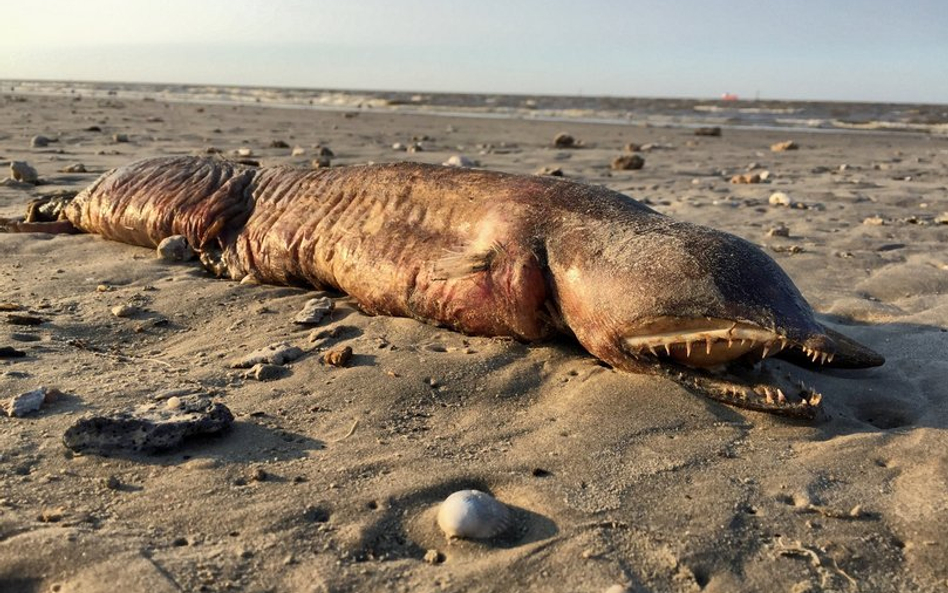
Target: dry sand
point(330, 478)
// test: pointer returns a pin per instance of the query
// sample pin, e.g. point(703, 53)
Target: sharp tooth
point(823, 358)
point(667, 349)
point(781, 397)
point(783, 343)
point(768, 395)
point(729, 341)
point(766, 350)
point(815, 399)
point(832, 354)
point(652, 350)
point(816, 354)
point(688, 348)
point(708, 341)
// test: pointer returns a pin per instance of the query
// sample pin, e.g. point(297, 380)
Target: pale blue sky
point(871, 50)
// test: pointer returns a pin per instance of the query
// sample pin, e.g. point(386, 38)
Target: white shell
point(473, 514)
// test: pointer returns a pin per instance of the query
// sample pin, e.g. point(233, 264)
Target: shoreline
point(704, 113)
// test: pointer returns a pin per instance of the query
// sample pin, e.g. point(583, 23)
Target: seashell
point(473, 514)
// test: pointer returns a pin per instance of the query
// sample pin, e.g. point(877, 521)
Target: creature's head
point(648, 290)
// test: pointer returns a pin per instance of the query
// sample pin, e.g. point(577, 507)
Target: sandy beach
point(330, 477)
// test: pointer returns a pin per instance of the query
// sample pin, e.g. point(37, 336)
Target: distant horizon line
point(739, 99)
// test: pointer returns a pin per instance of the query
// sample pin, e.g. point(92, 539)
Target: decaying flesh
point(491, 254)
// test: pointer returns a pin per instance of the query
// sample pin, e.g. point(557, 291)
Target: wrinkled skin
point(491, 254)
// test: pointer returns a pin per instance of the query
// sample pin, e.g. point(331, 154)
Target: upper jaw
point(711, 343)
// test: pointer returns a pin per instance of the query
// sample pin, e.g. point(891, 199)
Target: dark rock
point(712, 131)
point(564, 140)
point(627, 162)
point(150, 428)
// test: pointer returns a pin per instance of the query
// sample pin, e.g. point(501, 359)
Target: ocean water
point(658, 112)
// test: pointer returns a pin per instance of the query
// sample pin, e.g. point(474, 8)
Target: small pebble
point(434, 557)
point(459, 161)
point(264, 372)
point(780, 199)
point(119, 138)
point(550, 171)
point(39, 142)
point(125, 311)
point(784, 146)
point(23, 172)
point(338, 358)
point(564, 140)
point(628, 162)
point(174, 248)
point(74, 168)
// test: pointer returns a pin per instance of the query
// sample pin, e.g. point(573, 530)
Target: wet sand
point(330, 477)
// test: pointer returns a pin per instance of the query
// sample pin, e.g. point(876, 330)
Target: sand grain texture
point(331, 477)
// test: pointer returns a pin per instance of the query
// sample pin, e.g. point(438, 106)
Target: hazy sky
point(877, 50)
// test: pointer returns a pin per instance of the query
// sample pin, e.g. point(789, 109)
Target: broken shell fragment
point(472, 514)
point(314, 310)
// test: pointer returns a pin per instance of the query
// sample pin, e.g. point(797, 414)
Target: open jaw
point(721, 359)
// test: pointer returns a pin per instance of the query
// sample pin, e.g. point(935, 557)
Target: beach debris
point(628, 162)
point(941, 218)
point(472, 514)
point(125, 311)
point(564, 140)
point(119, 138)
point(778, 198)
point(278, 354)
point(339, 357)
point(633, 147)
point(459, 160)
point(150, 427)
point(298, 151)
point(24, 319)
point(710, 131)
point(550, 171)
point(39, 141)
point(11, 352)
point(784, 146)
point(278, 144)
point(29, 402)
point(174, 248)
point(746, 178)
point(74, 168)
point(321, 162)
point(434, 557)
point(873, 221)
point(243, 151)
point(264, 372)
point(780, 230)
point(416, 147)
point(399, 146)
point(23, 172)
point(314, 310)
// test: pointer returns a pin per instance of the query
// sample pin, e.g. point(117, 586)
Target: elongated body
point(484, 253)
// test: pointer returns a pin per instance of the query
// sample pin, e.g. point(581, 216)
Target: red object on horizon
point(728, 97)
